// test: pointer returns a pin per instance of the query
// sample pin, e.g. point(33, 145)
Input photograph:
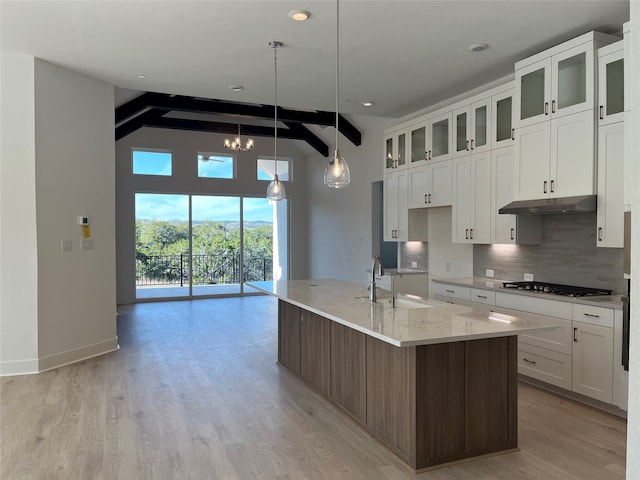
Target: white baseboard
point(18, 367)
point(77, 354)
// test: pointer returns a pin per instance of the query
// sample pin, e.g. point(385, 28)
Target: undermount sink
point(406, 304)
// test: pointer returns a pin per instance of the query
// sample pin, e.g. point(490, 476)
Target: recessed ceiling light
point(142, 77)
point(478, 47)
point(236, 88)
point(368, 103)
point(299, 15)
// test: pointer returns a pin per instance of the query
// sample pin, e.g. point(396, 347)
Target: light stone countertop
point(608, 301)
point(434, 322)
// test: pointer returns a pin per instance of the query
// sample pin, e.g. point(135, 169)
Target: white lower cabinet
point(545, 365)
point(593, 352)
point(450, 293)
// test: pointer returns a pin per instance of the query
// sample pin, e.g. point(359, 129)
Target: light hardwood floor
point(194, 393)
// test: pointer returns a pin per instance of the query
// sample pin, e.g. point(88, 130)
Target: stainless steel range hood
point(550, 206)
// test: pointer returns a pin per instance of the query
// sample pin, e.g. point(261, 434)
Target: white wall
point(185, 146)
point(57, 163)
point(633, 426)
point(18, 248)
point(340, 219)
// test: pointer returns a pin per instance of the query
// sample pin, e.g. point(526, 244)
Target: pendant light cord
point(275, 108)
point(337, 66)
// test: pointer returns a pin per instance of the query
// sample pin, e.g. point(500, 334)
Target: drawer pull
point(575, 332)
point(529, 361)
point(481, 296)
point(450, 291)
point(591, 315)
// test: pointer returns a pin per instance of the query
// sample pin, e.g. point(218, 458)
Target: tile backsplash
point(566, 255)
point(413, 252)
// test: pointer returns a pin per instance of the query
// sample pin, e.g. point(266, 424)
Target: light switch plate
point(528, 277)
point(414, 264)
point(489, 273)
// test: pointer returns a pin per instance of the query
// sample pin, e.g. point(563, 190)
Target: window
point(215, 165)
point(266, 169)
point(148, 162)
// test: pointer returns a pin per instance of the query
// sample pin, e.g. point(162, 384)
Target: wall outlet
point(528, 277)
point(414, 264)
point(489, 273)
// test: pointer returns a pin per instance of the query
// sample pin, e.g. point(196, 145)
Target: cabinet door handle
point(553, 183)
point(544, 187)
point(450, 291)
point(546, 108)
point(553, 106)
point(575, 333)
point(599, 234)
point(512, 234)
point(529, 361)
point(425, 198)
point(429, 155)
point(429, 198)
point(601, 112)
point(466, 234)
point(591, 315)
point(467, 148)
point(513, 134)
point(471, 144)
point(471, 233)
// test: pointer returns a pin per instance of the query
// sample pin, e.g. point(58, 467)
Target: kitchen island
point(436, 383)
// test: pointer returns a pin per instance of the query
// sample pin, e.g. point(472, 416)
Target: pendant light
point(337, 175)
point(275, 190)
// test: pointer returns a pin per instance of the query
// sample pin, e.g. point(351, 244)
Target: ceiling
point(403, 55)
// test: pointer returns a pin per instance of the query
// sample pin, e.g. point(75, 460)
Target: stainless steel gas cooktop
point(557, 289)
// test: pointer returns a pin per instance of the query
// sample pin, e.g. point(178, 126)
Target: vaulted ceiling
point(403, 55)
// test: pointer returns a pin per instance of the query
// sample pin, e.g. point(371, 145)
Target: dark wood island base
point(429, 404)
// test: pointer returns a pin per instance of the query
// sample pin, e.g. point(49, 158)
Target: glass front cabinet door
point(610, 84)
point(502, 132)
point(418, 144)
point(395, 150)
point(440, 127)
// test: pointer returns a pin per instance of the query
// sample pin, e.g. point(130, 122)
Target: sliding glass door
point(205, 245)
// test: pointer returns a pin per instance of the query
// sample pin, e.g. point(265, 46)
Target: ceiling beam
point(297, 133)
point(138, 122)
point(183, 103)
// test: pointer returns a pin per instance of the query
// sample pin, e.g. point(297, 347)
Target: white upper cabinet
point(611, 84)
point(472, 128)
point(395, 150)
point(610, 215)
point(395, 219)
point(440, 127)
point(555, 122)
point(502, 133)
point(509, 229)
point(430, 185)
point(471, 212)
point(419, 141)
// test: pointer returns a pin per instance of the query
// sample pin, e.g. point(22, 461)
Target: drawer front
point(593, 315)
point(455, 301)
point(451, 291)
point(544, 365)
point(541, 306)
point(483, 296)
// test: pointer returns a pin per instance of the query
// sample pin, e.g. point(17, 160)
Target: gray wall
point(567, 255)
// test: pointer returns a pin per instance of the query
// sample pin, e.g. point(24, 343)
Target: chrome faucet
point(376, 267)
point(393, 288)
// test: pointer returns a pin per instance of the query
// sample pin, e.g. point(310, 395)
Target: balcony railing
point(205, 270)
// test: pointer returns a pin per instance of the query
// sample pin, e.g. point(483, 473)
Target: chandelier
point(236, 143)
